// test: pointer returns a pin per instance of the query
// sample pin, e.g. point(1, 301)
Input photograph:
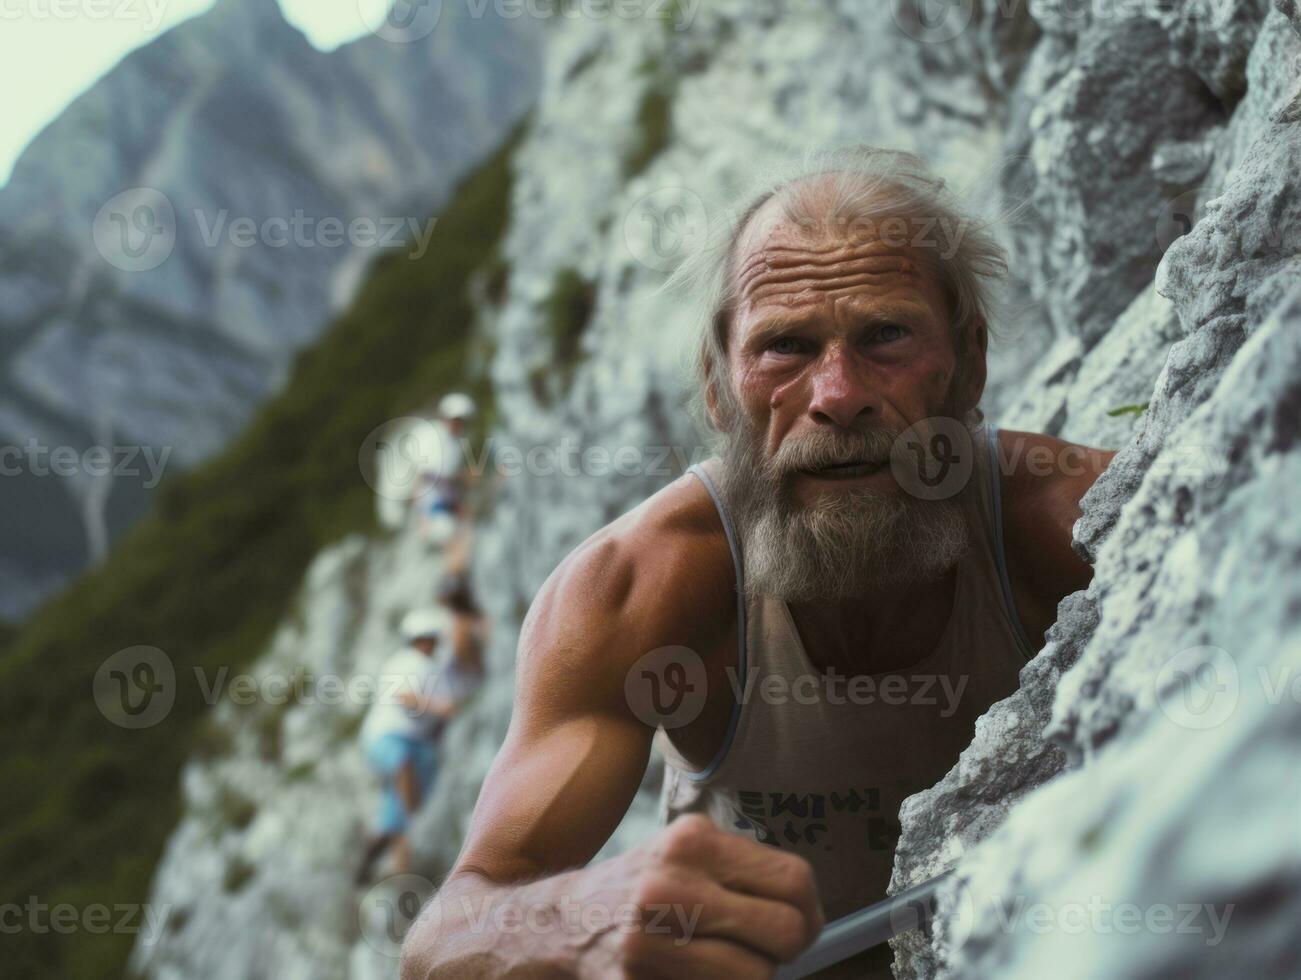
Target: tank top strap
point(707, 473)
point(987, 504)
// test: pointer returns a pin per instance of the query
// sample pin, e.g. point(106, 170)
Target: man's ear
point(711, 396)
point(976, 370)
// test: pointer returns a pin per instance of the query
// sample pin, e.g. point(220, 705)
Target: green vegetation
point(88, 806)
point(235, 809)
point(1091, 838)
point(1134, 410)
point(654, 115)
point(238, 873)
point(654, 125)
point(566, 312)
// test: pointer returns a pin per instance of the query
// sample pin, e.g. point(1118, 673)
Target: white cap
point(422, 623)
point(456, 406)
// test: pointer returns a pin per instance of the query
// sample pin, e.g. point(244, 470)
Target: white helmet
point(420, 624)
point(456, 406)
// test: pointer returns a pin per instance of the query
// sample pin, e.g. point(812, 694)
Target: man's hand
point(727, 905)
point(693, 901)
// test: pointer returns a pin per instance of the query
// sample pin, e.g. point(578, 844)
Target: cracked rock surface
point(1167, 702)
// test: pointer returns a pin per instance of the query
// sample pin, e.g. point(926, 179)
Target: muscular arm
point(1044, 479)
point(570, 765)
point(574, 755)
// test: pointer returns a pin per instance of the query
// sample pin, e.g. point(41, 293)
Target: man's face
point(837, 345)
point(832, 337)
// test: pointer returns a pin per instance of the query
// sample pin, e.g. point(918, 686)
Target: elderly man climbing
point(812, 620)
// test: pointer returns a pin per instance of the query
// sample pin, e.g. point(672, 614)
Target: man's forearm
point(476, 929)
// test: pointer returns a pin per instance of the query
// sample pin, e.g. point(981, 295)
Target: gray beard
point(845, 542)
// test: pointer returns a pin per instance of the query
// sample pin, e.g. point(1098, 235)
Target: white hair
point(863, 185)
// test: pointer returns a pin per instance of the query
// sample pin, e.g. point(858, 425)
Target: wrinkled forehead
point(787, 256)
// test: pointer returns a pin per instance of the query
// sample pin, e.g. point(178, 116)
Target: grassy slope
point(86, 806)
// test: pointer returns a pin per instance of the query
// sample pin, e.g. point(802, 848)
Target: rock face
point(1170, 689)
point(170, 340)
point(1149, 759)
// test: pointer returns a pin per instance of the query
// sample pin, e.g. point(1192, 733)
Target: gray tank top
point(820, 765)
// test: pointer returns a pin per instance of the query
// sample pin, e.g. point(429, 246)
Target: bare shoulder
point(1043, 480)
point(1039, 466)
point(659, 575)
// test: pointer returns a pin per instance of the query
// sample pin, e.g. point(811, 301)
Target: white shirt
point(443, 458)
point(407, 670)
point(420, 458)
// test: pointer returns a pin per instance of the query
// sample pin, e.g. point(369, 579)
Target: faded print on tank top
point(818, 763)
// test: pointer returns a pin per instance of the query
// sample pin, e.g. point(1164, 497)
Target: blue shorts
point(443, 505)
point(387, 755)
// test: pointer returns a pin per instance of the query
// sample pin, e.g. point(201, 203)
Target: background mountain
point(206, 580)
point(1119, 772)
point(231, 115)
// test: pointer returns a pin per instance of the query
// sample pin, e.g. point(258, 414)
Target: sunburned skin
point(841, 332)
point(541, 819)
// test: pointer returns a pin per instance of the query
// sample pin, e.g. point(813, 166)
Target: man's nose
point(842, 391)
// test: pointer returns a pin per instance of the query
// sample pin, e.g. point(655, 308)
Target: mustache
point(821, 448)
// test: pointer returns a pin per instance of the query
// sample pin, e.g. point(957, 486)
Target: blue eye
point(889, 332)
point(784, 345)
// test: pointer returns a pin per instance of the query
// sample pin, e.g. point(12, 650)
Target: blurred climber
point(465, 671)
point(411, 454)
point(445, 479)
point(399, 731)
point(405, 449)
point(421, 473)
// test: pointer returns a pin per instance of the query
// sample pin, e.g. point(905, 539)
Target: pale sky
point(53, 50)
